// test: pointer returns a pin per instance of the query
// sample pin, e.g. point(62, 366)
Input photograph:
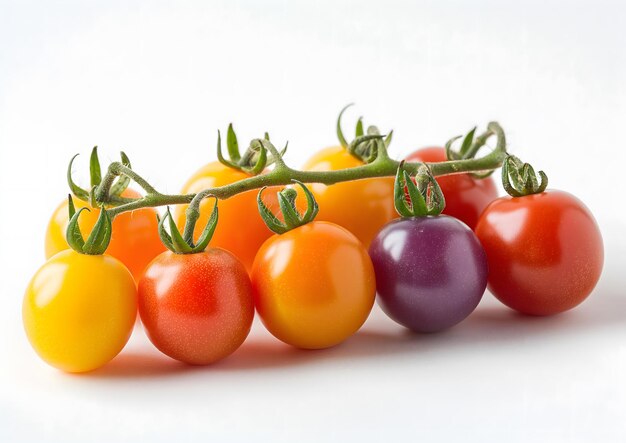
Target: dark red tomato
point(466, 196)
point(196, 308)
point(544, 250)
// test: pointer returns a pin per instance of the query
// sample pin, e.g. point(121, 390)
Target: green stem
point(282, 175)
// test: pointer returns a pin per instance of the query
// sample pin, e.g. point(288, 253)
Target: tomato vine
point(282, 174)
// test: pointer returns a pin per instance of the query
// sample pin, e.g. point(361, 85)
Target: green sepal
point(286, 201)
point(123, 181)
point(174, 240)
point(95, 172)
point(232, 145)
point(270, 220)
point(220, 156)
point(359, 128)
point(467, 142)
point(79, 192)
point(165, 237)
point(180, 244)
point(388, 139)
point(70, 206)
point(450, 153)
point(366, 144)
point(253, 161)
point(73, 235)
point(419, 199)
point(340, 136)
point(520, 179)
point(363, 148)
point(208, 231)
point(99, 238)
point(312, 208)
point(470, 146)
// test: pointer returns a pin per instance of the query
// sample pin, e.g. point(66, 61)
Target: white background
point(158, 80)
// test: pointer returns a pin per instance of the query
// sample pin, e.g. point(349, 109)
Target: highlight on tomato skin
point(134, 241)
point(314, 285)
point(241, 230)
point(466, 196)
point(362, 207)
point(545, 251)
point(79, 310)
point(196, 308)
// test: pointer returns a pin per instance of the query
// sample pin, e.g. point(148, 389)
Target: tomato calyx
point(100, 236)
point(184, 243)
point(93, 196)
point(470, 146)
point(366, 145)
point(253, 161)
point(520, 179)
point(420, 198)
point(287, 202)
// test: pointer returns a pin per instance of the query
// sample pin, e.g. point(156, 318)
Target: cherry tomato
point(362, 206)
point(134, 241)
point(431, 272)
point(241, 229)
point(466, 196)
point(544, 250)
point(196, 308)
point(79, 310)
point(314, 285)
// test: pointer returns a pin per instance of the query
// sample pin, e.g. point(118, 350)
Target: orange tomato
point(135, 239)
point(313, 286)
point(363, 206)
point(240, 229)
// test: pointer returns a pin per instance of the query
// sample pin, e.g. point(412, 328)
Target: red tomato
point(544, 250)
point(314, 286)
point(466, 196)
point(196, 308)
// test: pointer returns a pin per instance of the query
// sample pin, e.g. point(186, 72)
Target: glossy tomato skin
point(545, 251)
point(361, 206)
point(466, 197)
point(196, 308)
point(241, 229)
point(431, 272)
point(135, 239)
point(313, 286)
point(79, 310)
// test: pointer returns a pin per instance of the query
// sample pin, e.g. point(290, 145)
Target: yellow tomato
point(363, 207)
point(79, 310)
point(240, 229)
point(134, 241)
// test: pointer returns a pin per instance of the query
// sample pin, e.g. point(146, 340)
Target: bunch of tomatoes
point(310, 260)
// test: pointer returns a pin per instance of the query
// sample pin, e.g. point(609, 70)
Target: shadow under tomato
point(490, 325)
point(138, 364)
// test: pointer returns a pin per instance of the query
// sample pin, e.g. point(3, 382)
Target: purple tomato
point(431, 272)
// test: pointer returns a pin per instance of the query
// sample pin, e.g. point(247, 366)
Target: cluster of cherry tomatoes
point(314, 283)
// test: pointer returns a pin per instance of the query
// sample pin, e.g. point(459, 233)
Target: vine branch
point(381, 166)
